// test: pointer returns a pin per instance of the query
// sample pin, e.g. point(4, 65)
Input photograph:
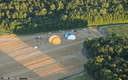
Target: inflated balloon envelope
point(70, 36)
point(55, 40)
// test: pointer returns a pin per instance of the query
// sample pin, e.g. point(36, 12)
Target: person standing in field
point(49, 34)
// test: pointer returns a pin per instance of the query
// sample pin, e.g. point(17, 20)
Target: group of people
point(39, 37)
point(49, 34)
point(36, 38)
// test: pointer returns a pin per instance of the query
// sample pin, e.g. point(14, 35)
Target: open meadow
point(19, 59)
point(120, 30)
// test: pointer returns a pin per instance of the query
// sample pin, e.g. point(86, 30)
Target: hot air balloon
point(70, 36)
point(55, 40)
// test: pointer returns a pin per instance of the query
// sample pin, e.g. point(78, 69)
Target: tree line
point(31, 16)
point(110, 60)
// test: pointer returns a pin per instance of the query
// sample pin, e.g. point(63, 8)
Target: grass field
point(83, 77)
point(120, 30)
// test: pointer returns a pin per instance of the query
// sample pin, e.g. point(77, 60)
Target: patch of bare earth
point(19, 59)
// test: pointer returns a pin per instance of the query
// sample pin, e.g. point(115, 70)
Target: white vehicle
point(83, 29)
point(63, 31)
point(72, 30)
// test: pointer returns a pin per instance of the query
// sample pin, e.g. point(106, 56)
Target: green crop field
point(120, 30)
point(83, 77)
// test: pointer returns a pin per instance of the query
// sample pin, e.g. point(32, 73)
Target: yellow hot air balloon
point(55, 40)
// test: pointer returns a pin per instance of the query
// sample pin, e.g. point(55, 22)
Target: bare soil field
point(19, 59)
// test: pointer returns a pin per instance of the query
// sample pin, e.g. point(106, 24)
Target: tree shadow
point(49, 25)
point(6, 1)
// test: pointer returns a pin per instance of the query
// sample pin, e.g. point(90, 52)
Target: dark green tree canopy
point(31, 16)
point(110, 60)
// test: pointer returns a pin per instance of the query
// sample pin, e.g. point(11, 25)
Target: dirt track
point(19, 59)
